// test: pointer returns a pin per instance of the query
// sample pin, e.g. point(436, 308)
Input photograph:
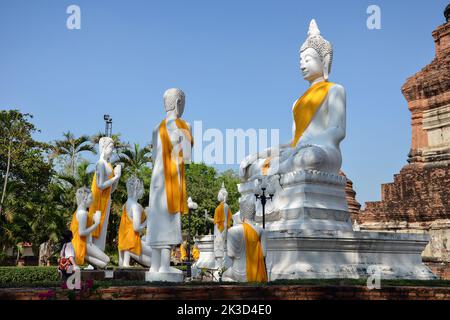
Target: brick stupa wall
point(418, 200)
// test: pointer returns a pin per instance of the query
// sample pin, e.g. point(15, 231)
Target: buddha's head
point(223, 194)
point(84, 197)
point(316, 55)
point(174, 101)
point(106, 146)
point(247, 208)
point(135, 188)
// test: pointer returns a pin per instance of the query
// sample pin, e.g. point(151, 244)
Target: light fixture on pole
point(108, 125)
point(263, 198)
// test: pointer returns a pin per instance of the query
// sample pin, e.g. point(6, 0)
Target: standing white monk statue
point(82, 228)
point(222, 222)
point(132, 223)
point(246, 246)
point(311, 193)
point(172, 142)
point(103, 184)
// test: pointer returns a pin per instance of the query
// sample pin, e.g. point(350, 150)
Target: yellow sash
point(78, 242)
point(256, 267)
point(183, 252)
point(129, 240)
point(219, 217)
point(175, 189)
point(100, 202)
point(304, 110)
point(195, 253)
point(306, 107)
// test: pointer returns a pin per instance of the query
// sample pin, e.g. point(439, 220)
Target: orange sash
point(306, 107)
point(175, 188)
point(78, 242)
point(256, 267)
point(129, 240)
point(219, 217)
point(100, 202)
point(304, 110)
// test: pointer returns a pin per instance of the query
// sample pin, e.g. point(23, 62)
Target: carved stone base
point(337, 254)
point(303, 200)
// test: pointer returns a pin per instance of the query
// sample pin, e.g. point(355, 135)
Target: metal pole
point(188, 262)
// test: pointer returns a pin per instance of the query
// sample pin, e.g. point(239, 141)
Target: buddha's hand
point(97, 216)
point(118, 171)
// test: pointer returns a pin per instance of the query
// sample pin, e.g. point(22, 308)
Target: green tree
point(203, 185)
point(25, 175)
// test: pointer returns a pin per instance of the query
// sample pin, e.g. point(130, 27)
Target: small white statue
point(103, 184)
point(318, 120)
point(85, 250)
point(222, 222)
point(172, 142)
point(246, 246)
point(132, 223)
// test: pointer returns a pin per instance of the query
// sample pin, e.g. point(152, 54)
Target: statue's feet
point(169, 270)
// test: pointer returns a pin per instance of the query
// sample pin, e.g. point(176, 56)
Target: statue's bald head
point(174, 100)
point(247, 208)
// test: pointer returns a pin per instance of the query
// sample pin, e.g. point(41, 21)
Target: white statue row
point(318, 128)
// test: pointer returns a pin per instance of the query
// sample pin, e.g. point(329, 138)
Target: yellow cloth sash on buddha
point(129, 240)
point(304, 110)
point(219, 217)
point(306, 107)
point(183, 252)
point(78, 242)
point(195, 253)
point(255, 264)
point(175, 188)
point(100, 202)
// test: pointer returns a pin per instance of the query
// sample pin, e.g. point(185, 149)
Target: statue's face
point(108, 150)
point(180, 107)
point(140, 191)
point(222, 197)
point(89, 199)
point(310, 64)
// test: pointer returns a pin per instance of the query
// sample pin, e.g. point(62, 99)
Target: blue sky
point(237, 62)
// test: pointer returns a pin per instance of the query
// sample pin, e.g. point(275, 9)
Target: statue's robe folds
point(222, 222)
point(245, 248)
point(168, 197)
point(102, 202)
point(304, 112)
point(129, 239)
point(79, 243)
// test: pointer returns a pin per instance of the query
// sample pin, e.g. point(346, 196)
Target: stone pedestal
point(206, 259)
point(304, 200)
point(341, 254)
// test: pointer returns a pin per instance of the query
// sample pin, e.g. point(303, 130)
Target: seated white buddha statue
point(82, 228)
point(318, 120)
point(132, 223)
point(246, 247)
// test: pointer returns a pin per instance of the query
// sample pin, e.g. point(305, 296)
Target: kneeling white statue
point(133, 221)
point(82, 228)
point(246, 246)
